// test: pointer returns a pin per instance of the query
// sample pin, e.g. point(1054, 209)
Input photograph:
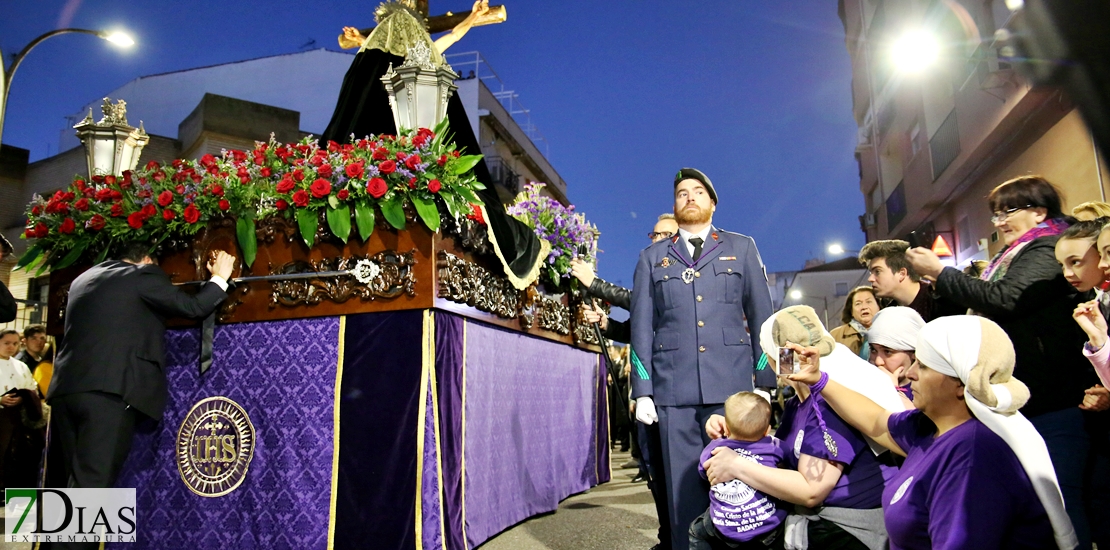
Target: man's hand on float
point(594, 314)
point(645, 410)
point(222, 265)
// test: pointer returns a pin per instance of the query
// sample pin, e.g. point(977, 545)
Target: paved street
point(618, 515)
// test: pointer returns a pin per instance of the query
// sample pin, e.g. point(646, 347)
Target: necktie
point(697, 242)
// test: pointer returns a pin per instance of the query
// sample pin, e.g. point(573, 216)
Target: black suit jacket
point(114, 328)
point(7, 305)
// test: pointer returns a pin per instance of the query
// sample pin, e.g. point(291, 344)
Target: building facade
point(932, 145)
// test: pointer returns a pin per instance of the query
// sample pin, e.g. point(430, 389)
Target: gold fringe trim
point(335, 434)
point(462, 473)
point(519, 283)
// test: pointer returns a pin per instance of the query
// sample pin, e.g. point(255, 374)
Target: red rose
point(36, 210)
point(41, 230)
point(135, 220)
point(110, 179)
point(96, 223)
point(376, 187)
point(298, 175)
point(324, 170)
point(224, 205)
point(434, 186)
point(165, 198)
point(149, 211)
point(117, 210)
point(207, 160)
point(281, 204)
point(82, 204)
point(126, 181)
point(218, 190)
point(442, 160)
point(168, 214)
point(285, 185)
point(401, 155)
point(191, 214)
point(67, 226)
point(455, 154)
point(116, 195)
point(320, 188)
point(104, 195)
point(159, 176)
point(300, 198)
point(412, 162)
point(412, 182)
point(354, 170)
point(342, 194)
point(380, 154)
point(388, 167)
point(266, 172)
point(476, 214)
point(180, 189)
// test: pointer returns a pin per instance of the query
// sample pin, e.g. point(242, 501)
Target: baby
point(739, 516)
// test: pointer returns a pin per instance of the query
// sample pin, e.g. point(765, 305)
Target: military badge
point(666, 262)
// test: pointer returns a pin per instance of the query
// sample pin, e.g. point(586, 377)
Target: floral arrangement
point(379, 174)
point(569, 233)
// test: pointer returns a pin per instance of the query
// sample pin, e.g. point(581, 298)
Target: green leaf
point(394, 212)
point(248, 240)
point(465, 163)
point(426, 209)
point(104, 253)
point(29, 256)
point(307, 221)
point(469, 195)
point(333, 201)
point(364, 218)
point(73, 255)
point(339, 221)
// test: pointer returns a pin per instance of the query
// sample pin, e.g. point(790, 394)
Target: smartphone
point(786, 361)
point(914, 239)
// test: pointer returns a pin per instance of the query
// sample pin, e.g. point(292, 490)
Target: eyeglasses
point(660, 235)
point(1001, 216)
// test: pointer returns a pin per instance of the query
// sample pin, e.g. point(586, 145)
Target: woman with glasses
point(1024, 290)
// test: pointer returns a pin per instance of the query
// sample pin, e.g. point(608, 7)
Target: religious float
point(378, 376)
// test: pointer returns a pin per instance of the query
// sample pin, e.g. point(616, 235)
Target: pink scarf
point(1001, 261)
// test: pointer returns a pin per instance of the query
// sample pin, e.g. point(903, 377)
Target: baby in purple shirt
point(738, 515)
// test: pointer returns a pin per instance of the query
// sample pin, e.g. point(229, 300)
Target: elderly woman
point(976, 474)
point(1025, 292)
point(893, 338)
point(860, 307)
point(831, 474)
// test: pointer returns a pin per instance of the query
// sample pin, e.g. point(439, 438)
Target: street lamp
point(797, 295)
point(6, 75)
point(915, 51)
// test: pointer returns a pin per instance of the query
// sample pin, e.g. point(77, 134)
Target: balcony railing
point(503, 175)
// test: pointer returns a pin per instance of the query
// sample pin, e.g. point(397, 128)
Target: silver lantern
point(419, 90)
point(111, 145)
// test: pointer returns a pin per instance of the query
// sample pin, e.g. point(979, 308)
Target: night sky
point(756, 94)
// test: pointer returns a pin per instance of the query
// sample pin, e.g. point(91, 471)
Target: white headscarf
point(950, 345)
point(896, 328)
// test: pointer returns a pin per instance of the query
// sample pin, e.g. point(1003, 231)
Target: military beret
point(695, 174)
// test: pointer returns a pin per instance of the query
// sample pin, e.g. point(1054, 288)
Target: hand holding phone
point(786, 361)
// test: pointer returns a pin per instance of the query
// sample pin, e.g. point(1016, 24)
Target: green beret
point(695, 174)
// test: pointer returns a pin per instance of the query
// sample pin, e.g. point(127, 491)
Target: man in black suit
point(7, 301)
point(108, 370)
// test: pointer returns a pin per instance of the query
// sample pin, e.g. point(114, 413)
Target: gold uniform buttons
point(697, 274)
point(701, 323)
point(701, 348)
point(699, 298)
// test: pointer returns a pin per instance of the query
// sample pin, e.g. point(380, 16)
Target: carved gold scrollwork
point(394, 276)
point(468, 283)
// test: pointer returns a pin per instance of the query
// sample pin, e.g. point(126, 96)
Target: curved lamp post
point(118, 38)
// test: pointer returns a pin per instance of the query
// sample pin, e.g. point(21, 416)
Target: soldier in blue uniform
point(690, 299)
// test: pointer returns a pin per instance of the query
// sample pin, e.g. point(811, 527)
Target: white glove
point(645, 410)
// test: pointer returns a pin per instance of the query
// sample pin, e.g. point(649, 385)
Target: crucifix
point(447, 21)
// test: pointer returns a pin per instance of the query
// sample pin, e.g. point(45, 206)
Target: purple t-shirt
point(861, 482)
point(964, 489)
point(906, 391)
point(739, 512)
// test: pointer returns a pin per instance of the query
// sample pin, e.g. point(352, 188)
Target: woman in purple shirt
point(976, 474)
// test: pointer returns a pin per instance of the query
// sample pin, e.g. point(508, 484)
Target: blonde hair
point(1099, 209)
point(748, 415)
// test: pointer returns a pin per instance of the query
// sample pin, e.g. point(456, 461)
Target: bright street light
point(915, 51)
point(796, 294)
point(836, 249)
point(6, 75)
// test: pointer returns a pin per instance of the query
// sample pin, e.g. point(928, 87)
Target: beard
point(696, 216)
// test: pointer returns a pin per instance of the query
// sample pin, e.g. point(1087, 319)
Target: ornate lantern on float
point(419, 90)
point(111, 145)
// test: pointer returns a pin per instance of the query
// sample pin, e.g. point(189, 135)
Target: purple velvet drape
point(283, 374)
point(449, 377)
point(531, 425)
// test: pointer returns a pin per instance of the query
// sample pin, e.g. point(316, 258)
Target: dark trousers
point(682, 437)
point(93, 434)
point(1097, 477)
point(651, 462)
point(705, 536)
point(1065, 435)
